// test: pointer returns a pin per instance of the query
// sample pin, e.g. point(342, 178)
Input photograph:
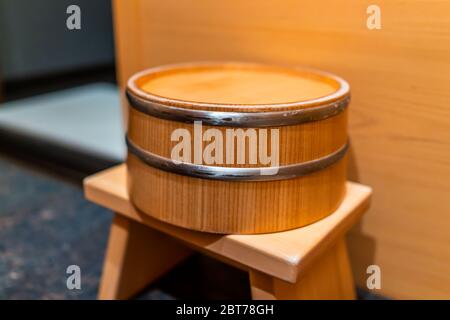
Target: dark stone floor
point(47, 225)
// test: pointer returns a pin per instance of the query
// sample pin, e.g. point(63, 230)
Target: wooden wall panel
point(399, 118)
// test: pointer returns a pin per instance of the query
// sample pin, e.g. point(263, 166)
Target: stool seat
point(284, 255)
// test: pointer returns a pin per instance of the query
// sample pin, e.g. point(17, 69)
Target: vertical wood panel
point(399, 118)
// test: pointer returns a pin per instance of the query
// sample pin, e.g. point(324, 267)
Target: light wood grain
point(238, 207)
point(328, 278)
point(298, 143)
point(399, 118)
point(235, 86)
point(284, 255)
point(235, 207)
point(136, 255)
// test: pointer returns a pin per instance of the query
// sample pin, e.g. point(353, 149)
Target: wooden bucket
point(203, 142)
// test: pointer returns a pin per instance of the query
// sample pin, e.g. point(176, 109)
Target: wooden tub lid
point(241, 87)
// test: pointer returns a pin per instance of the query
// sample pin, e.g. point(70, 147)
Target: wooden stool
point(305, 263)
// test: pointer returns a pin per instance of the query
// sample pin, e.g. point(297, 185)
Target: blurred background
point(57, 98)
point(60, 120)
point(58, 85)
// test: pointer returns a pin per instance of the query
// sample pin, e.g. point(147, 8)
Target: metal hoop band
point(236, 174)
point(238, 119)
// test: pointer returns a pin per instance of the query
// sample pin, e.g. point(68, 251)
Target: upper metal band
point(236, 174)
point(238, 119)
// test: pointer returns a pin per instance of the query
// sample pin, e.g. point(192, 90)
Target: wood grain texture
point(136, 255)
point(235, 206)
point(236, 86)
point(399, 118)
point(298, 143)
point(328, 278)
point(284, 255)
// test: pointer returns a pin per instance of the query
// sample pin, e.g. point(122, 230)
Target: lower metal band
point(233, 173)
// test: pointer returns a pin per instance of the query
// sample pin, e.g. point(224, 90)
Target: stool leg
point(329, 277)
point(136, 255)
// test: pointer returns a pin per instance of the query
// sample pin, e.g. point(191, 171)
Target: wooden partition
point(399, 115)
